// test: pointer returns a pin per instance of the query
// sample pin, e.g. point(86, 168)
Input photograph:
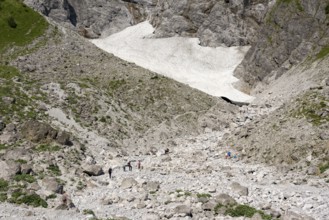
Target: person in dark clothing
point(129, 166)
point(110, 172)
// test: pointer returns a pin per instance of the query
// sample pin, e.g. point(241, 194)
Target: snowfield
point(182, 59)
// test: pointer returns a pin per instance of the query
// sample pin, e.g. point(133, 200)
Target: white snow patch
point(183, 59)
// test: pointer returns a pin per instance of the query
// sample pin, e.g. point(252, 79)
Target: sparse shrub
point(3, 185)
point(327, 9)
point(3, 197)
point(203, 195)
point(241, 210)
point(24, 177)
point(46, 147)
point(187, 193)
point(34, 200)
point(3, 146)
point(217, 208)
point(103, 119)
point(81, 185)
point(21, 161)
point(11, 22)
point(88, 212)
point(54, 169)
point(246, 211)
point(52, 196)
point(323, 167)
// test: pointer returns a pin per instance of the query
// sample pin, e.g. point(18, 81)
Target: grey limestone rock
point(313, 170)
point(93, 170)
point(63, 138)
point(128, 183)
point(26, 168)
point(36, 131)
point(50, 184)
point(152, 186)
point(241, 190)
point(289, 215)
point(225, 199)
point(183, 209)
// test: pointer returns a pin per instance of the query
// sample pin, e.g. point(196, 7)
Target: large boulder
point(183, 210)
point(128, 183)
point(152, 186)
point(50, 184)
point(93, 170)
point(238, 189)
point(26, 168)
point(225, 199)
point(63, 138)
point(36, 131)
point(9, 169)
point(18, 153)
point(289, 215)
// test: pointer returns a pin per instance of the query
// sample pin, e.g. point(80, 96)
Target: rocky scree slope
point(68, 108)
point(292, 32)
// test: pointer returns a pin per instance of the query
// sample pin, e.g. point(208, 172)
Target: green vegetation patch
point(14, 101)
point(47, 147)
point(114, 85)
point(323, 52)
point(245, 211)
point(3, 197)
point(34, 200)
point(311, 106)
point(24, 177)
point(52, 196)
point(21, 161)
point(19, 24)
point(323, 167)
point(54, 169)
point(8, 72)
point(3, 146)
point(239, 210)
point(3, 185)
point(88, 212)
point(203, 195)
point(327, 9)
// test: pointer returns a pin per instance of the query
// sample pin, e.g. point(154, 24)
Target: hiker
point(129, 166)
point(110, 172)
point(228, 155)
point(166, 151)
point(139, 164)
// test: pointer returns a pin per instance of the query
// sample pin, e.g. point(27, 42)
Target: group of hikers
point(128, 165)
point(229, 155)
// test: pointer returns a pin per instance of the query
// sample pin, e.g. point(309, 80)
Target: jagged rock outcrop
point(292, 31)
point(229, 22)
point(93, 19)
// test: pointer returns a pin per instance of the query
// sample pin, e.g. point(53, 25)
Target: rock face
point(231, 23)
point(36, 131)
point(94, 18)
point(292, 31)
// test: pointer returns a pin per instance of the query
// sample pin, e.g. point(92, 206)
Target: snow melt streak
point(183, 59)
